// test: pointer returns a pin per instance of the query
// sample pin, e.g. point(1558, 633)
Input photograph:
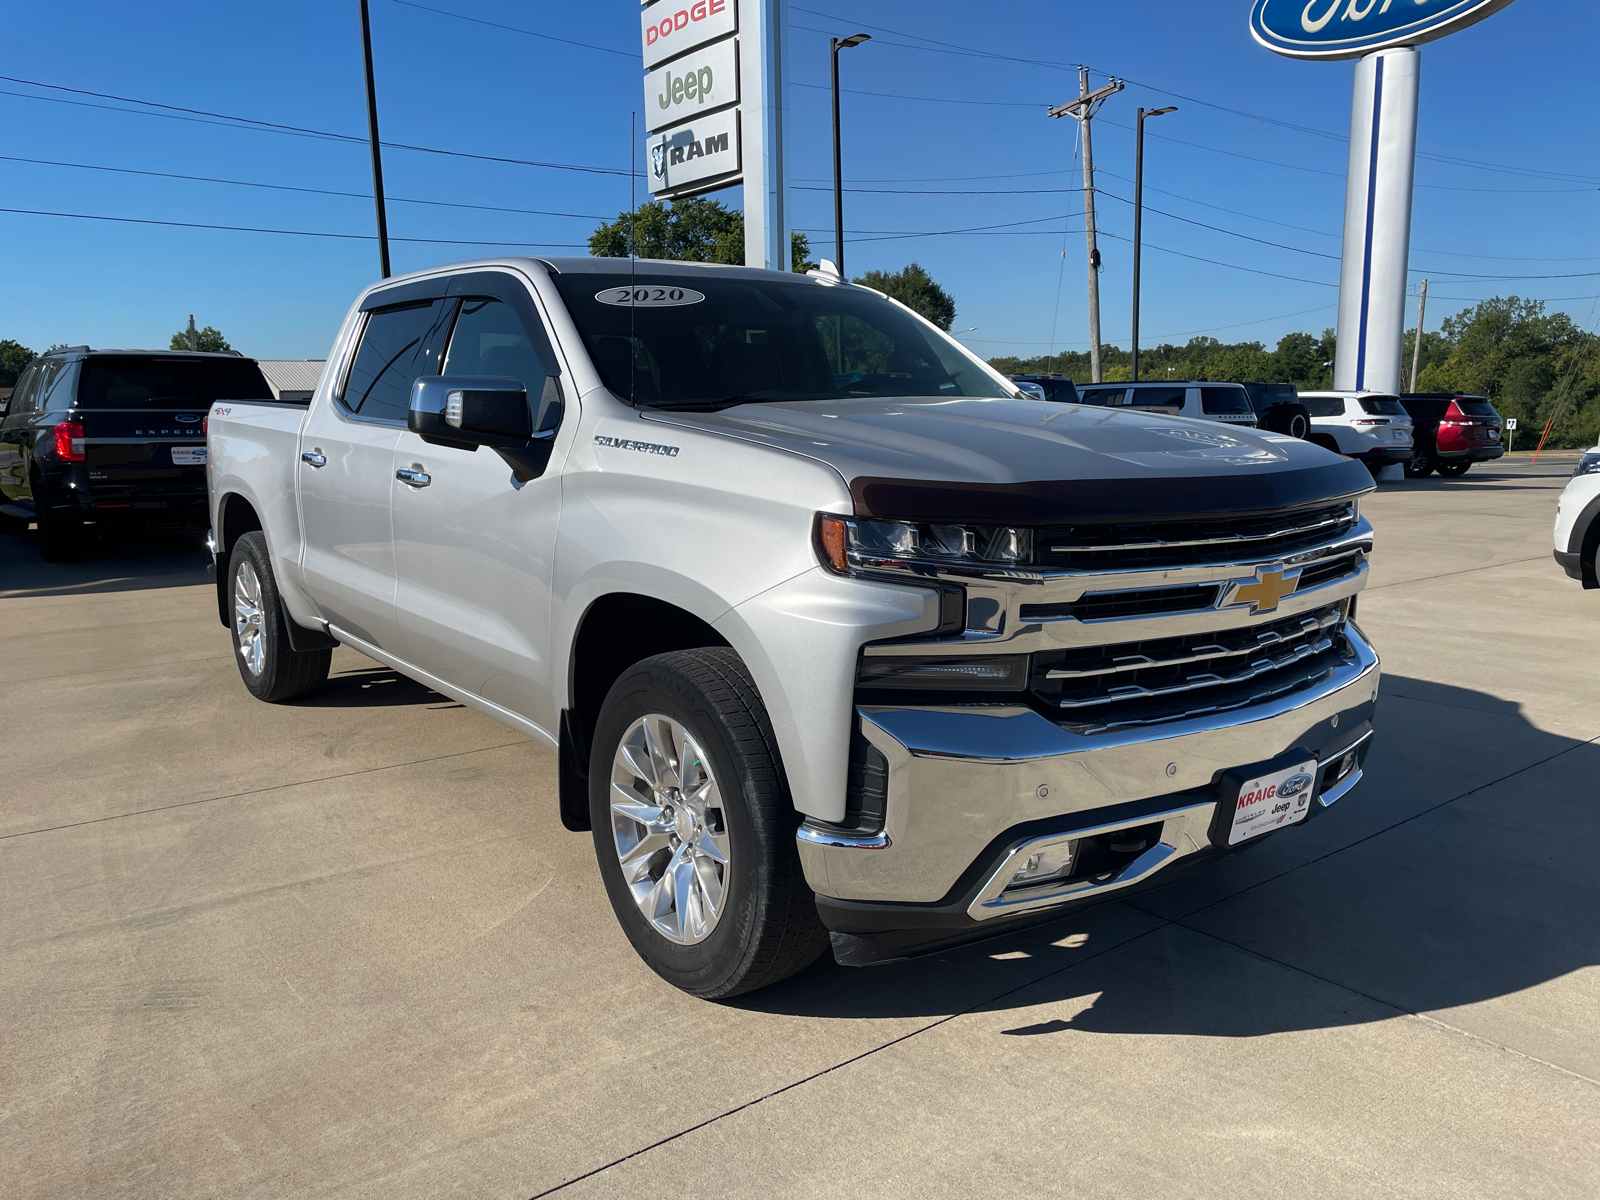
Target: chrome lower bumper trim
point(1183, 832)
point(960, 778)
point(842, 841)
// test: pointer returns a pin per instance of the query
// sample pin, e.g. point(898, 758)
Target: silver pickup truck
point(837, 637)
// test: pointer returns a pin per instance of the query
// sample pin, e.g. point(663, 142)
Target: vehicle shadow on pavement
point(124, 559)
point(1461, 871)
point(372, 687)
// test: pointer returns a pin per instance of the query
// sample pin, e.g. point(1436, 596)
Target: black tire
point(271, 670)
point(1453, 470)
point(16, 526)
point(1299, 424)
point(1422, 462)
point(61, 539)
point(767, 928)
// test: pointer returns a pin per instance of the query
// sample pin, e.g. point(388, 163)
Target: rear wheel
point(1422, 464)
point(269, 667)
point(1451, 470)
point(1299, 425)
point(694, 828)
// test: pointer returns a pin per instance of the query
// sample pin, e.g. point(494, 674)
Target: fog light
point(1051, 862)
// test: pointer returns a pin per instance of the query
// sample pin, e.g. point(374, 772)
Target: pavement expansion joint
point(277, 787)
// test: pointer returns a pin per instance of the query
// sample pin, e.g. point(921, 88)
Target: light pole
point(1138, 220)
point(835, 45)
point(372, 134)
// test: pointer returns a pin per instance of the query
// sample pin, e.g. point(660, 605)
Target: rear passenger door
point(347, 463)
point(473, 545)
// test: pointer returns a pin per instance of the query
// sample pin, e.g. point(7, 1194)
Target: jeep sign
point(696, 83)
point(1353, 28)
point(668, 29)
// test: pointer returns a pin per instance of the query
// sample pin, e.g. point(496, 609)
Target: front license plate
point(1273, 801)
point(188, 456)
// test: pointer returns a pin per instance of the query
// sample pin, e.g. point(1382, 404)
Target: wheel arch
point(236, 516)
point(617, 630)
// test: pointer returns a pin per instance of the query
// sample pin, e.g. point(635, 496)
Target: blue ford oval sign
point(1352, 28)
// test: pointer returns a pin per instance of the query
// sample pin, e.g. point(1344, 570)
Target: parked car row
point(1423, 432)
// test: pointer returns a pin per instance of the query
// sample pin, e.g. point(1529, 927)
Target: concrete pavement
point(344, 947)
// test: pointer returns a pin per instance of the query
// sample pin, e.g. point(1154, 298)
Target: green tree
point(694, 230)
point(208, 338)
point(915, 288)
point(14, 356)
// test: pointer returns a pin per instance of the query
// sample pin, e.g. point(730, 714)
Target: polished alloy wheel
point(670, 829)
point(248, 619)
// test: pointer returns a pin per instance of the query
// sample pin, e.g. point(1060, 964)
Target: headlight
point(848, 544)
point(1589, 464)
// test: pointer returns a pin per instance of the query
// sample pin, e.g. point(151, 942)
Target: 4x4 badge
point(1264, 592)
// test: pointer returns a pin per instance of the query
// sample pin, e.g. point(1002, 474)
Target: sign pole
point(763, 70)
point(1377, 222)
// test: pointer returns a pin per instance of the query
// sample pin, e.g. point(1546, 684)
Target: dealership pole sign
point(1383, 35)
point(713, 89)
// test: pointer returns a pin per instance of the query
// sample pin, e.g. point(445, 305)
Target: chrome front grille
point(1165, 678)
point(1125, 625)
point(1104, 547)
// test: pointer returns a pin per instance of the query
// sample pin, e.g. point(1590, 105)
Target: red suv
point(1450, 432)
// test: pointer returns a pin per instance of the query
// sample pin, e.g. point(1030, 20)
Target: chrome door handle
point(419, 479)
point(316, 460)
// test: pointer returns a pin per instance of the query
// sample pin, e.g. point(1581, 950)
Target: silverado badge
point(1264, 592)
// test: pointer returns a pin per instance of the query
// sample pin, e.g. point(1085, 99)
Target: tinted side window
point(1425, 410)
point(1061, 391)
point(489, 340)
point(1101, 396)
point(22, 397)
point(1224, 400)
point(396, 348)
point(1323, 406)
point(1159, 397)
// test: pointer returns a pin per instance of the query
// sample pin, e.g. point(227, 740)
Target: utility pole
point(1416, 348)
point(372, 133)
point(1084, 108)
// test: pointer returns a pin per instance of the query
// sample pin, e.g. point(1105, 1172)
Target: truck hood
point(966, 458)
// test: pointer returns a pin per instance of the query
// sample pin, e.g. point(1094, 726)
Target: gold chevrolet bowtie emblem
point(1264, 592)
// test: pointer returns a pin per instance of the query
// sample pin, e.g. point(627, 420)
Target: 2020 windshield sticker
point(601, 439)
point(649, 297)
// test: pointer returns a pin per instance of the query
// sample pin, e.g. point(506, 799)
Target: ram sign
point(1353, 28)
point(696, 157)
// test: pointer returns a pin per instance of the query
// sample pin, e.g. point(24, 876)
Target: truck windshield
point(155, 381)
point(699, 340)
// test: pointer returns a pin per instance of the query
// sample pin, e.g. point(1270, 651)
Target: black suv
point(1278, 408)
point(93, 435)
point(1056, 388)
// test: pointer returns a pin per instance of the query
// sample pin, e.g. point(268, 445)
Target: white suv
point(1578, 521)
point(1370, 426)
point(1226, 402)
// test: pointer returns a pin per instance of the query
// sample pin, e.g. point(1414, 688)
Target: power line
point(284, 187)
point(351, 237)
point(549, 37)
point(1187, 333)
point(179, 112)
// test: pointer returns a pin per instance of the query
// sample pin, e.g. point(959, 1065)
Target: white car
point(1226, 402)
point(1372, 427)
point(1578, 521)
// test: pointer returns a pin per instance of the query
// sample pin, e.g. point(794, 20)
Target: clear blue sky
point(1518, 92)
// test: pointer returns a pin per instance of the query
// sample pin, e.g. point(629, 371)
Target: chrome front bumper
point(970, 788)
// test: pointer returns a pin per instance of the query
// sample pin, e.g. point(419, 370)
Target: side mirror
point(468, 411)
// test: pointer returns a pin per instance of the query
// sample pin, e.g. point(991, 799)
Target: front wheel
point(1299, 426)
point(1422, 463)
point(1453, 470)
point(694, 828)
point(271, 669)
